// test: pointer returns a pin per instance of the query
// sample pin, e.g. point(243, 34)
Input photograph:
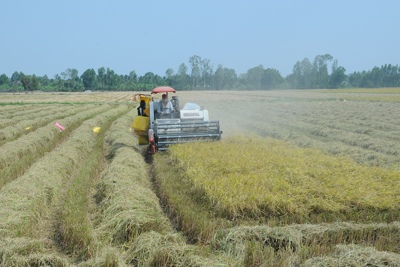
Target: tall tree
point(225, 78)
point(183, 79)
point(148, 78)
point(206, 72)
point(16, 77)
point(133, 76)
point(4, 79)
point(30, 83)
point(219, 77)
point(111, 79)
point(271, 79)
point(169, 73)
point(254, 77)
point(101, 77)
point(321, 70)
point(195, 62)
point(44, 80)
point(71, 80)
point(89, 79)
point(337, 76)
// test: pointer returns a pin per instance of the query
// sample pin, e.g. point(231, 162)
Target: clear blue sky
point(50, 36)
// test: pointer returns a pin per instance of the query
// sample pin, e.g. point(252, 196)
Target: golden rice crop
point(255, 177)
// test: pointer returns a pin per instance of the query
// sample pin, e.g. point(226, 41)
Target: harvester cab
point(165, 123)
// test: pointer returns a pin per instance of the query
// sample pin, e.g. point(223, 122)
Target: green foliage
point(89, 79)
point(306, 74)
point(30, 83)
point(386, 76)
point(4, 79)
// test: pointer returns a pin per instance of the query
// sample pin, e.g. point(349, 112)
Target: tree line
point(199, 74)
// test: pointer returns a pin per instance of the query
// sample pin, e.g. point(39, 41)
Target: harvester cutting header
point(160, 124)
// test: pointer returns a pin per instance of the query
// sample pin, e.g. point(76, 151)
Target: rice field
point(265, 178)
point(300, 178)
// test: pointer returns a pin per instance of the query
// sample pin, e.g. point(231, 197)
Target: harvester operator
point(141, 109)
point(165, 106)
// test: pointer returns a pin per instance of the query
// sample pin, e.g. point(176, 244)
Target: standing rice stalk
point(287, 183)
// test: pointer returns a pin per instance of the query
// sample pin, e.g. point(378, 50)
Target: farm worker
point(165, 106)
point(141, 108)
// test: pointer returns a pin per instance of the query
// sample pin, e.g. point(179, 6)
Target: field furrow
point(27, 211)
point(17, 156)
point(24, 125)
point(131, 228)
point(25, 113)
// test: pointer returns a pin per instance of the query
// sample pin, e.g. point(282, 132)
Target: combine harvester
point(159, 130)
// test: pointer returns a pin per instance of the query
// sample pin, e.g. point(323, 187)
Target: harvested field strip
point(128, 205)
point(287, 183)
point(377, 98)
point(186, 206)
point(354, 255)
point(362, 149)
point(25, 125)
point(358, 153)
point(386, 146)
point(18, 155)
point(22, 252)
point(378, 122)
point(26, 112)
point(130, 217)
point(8, 110)
point(305, 241)
point(378, 91)
point(354, 126)
point(70, 97)
point(372, 141)
point(77, 232)
point(26, 211)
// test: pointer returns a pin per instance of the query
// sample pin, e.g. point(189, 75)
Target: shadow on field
point(148, 157)
point(115, 148)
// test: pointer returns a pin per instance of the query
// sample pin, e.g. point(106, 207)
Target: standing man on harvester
point(165, 106)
